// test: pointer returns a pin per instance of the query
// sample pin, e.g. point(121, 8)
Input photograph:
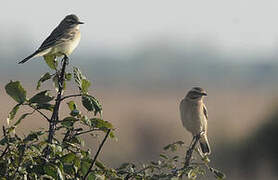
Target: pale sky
point(234, 25)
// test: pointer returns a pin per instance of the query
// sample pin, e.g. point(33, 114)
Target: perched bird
point(194, 116)
point(62, 40)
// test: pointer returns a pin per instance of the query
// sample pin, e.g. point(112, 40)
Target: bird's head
point(196, 93)
point(71, 21)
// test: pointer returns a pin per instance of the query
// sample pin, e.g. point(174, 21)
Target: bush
point(42, 154)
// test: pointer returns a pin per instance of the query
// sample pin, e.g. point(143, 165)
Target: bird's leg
point(66, 59)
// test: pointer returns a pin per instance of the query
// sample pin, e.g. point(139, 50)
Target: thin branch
point(84, 132)
point(69, 96)
point(39, 112)
point(96, 155)
point(55, 114)
point(190, 151)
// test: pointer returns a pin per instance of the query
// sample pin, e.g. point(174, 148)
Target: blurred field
point(141, 90)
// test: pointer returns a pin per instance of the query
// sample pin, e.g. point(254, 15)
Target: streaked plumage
point(62, 40)
point(194, 116)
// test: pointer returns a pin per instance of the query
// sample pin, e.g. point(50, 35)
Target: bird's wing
point(54, 38)
point(205, 111)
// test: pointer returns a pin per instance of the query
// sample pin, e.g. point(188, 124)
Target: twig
point(84, 132)
point(190, 151)
point(39, 112)
point(69, 96)
point(55, 115)
point(96, 155)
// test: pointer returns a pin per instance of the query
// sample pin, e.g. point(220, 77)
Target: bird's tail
point(204, 144)
point(29, 57)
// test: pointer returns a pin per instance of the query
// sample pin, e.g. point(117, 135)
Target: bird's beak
point(204, 93)
point(80, 22)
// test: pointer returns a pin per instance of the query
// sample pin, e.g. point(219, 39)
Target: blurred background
point(142, 57)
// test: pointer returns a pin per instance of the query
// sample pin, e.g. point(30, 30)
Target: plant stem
point(55, 115)
point(69, 96)
point(190, 151)
point(96, 155)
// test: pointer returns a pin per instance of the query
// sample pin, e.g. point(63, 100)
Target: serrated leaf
point(41, 97)
point(45, 77)
point(91, 104)
point(16, 91)
point(51, 61)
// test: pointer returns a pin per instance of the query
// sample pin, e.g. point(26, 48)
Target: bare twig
point(190, 151)
point(39, 112)
point(84, 132)
point(69, 96)
point(96, 155)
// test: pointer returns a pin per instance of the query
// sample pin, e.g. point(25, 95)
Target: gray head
point(196, 93)
point(70, 21)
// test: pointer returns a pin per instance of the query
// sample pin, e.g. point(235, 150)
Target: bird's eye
point(70, 21)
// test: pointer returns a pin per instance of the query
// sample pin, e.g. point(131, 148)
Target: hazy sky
point(234, 25)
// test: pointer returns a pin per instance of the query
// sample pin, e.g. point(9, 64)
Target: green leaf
point(91, 104)
point(101, 124)
point(72, 106)
point(45, 77)
point(51, 61)
point(91, 176)
point(85, 84)
point(41, 97)
point(85, 165)
point(68, 158)
point(33, 136)
point(68, 76)
point(82, 82)
point(51, 170)
point(21, 118)
point(16, 91)
point(100, 165)
point(13, 113)
point(68, 122)
point(46, 106)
